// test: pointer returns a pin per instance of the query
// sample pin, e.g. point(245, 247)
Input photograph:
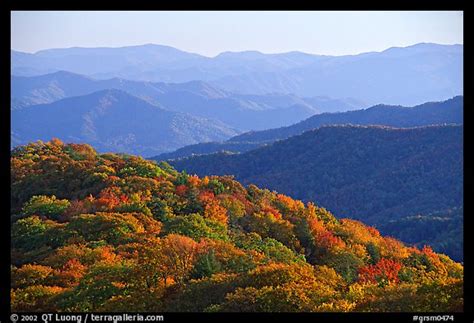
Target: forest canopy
point(110, 232)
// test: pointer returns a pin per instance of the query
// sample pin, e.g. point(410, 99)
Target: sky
point(212, 32)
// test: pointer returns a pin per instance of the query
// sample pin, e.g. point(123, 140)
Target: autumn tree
point(114, 232)
point(383, 272)
point(172, 259)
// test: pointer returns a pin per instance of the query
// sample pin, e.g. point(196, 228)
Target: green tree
point(206, 265)
point(48, 206)
point(197, 227)
point(374, 253)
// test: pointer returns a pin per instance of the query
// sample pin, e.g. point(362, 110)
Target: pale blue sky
point(210, 33)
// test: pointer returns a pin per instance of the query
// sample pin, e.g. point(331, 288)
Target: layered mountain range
point(408, 75)
point(243, 112)
point(445, 112)
point(113, 120)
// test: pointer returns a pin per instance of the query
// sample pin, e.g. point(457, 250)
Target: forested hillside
point(107, 232)
point(376, 174)
point(430, 113)
point(449, 111)
point(207, 148)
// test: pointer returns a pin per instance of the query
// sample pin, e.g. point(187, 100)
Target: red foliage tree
point(322, 236)
point(206, 196)
point(108, 199)
point(181, 189)
point(384, 270)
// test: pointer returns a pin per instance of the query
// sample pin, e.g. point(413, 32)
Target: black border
point(429, 5)
point(468, 163)
point(5, 259)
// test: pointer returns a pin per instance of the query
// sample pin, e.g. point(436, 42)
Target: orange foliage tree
point(214, 211)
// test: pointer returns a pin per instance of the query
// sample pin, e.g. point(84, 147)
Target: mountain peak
point(248, 54)
point(422, 47)
point(68, 74)
point(145, 49)
point(117, 95)
point(114, 120)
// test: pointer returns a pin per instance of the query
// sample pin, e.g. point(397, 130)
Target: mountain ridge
point(199, 98)
point(149, 45)
point(449, 111)
point(435, 70)
point(112, 119)
point(382, 172)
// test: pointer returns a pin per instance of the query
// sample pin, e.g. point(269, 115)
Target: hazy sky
point(210, 33)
